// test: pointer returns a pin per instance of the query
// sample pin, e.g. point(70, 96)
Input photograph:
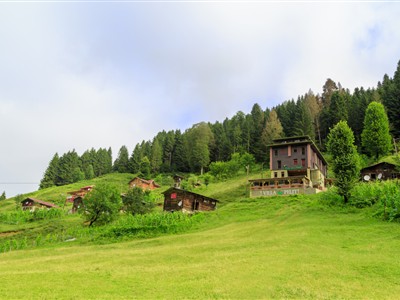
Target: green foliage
point(49, 178)
point(137, 201)
point(101, 205)
point(121, 164)
point(145, 168)
point(376, 139)
point(25, 216)
point(151, 224)
point(345, 158)
point(3, 196)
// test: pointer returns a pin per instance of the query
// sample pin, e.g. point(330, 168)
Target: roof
point(298, 140)
point(146, 181)
point(379, 163)
point(173, 189)
point(48, 204)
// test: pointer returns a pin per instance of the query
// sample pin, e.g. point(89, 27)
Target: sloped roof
point(146, 181)
point(173, 189)
point(41, 202)
point(378, 164)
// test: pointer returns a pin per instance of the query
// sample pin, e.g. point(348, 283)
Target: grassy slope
point(291, 247)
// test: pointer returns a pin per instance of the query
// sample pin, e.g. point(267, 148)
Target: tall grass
point(21, 216)
point(382, 195)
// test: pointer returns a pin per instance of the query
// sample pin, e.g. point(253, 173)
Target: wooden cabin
point(181, 200)
point(78, 203)
point(296, 167)
point(79, 193)
point(33, 204)
point(381, 171)
point(143, 183)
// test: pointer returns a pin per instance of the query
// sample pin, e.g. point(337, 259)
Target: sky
point(83, 74)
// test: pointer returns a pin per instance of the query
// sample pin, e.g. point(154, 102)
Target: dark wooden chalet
point(33, 204)
point(381, 171)
point(182, 200)
point(143, 183)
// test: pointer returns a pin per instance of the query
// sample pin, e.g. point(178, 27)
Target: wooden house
point(296, 167)
point(79, 193)
point(181, 200)
point(381, 171)
point(143, 183)
point(33, 204)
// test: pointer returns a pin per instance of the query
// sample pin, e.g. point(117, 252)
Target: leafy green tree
point(89, 172)
point(375, 138)
point(247, 161)
point(3, 196)
point(199, 137)
point(344, 157)
point(101, 205)
point(272, 130)
point(137, 201)
point(49, 178)
point(121, 164)
point(145, 169)
point(78, 175)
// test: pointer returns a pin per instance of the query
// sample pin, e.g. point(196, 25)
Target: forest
point(204, 143)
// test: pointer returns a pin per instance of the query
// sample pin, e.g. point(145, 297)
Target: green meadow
point(292, 247)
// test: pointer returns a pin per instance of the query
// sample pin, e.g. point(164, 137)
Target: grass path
point(248, 250)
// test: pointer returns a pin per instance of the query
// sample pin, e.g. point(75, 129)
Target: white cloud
point(82, 75)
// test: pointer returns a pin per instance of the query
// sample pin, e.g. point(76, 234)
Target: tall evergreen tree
point(376, 139)
point(49, 178)
point(180, 160)
point(257, 115)
point(199, 138)
point(135, 159)
point(344, 157)
point(156, 156)
point(121, 164)
point(67, 168)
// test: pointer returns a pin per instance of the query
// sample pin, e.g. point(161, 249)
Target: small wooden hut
point(33, 204)
point(143, 183)
point(78, 203)
point(181, 200)
point(382, 171)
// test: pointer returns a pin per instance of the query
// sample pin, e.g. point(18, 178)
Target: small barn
point(382, 171)
point(143, 183)
point(32, 204)
point(182, 200)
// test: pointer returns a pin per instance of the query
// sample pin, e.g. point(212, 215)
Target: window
point(295, 161)
point(295, 150)
point(303, 150)
point(282, 174)
point(276, 152)
point(275, 174)
point(279, 164)
point(303, 162)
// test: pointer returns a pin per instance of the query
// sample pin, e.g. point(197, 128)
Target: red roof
point(149, 182)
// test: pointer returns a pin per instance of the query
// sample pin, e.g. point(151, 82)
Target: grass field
point(291, 247)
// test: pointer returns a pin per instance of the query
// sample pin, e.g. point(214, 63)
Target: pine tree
point(135, 159)
point(145, 168)
point(180, 160)
point(344, 157)
point(156, 156)
point(375, 138)
point(257, 115)
point(49, 178)
point(121, 164)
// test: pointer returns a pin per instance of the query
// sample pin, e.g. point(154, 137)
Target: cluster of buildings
point(296, 167)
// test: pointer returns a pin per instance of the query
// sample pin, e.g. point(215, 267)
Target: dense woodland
point(194, 149)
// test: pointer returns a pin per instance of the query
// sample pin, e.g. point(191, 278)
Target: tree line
point(194, 149)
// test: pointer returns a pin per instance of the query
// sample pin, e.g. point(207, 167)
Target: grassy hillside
point(291, 247)
point(281, 247)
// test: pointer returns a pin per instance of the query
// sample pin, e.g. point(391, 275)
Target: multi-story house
point(296, 167)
